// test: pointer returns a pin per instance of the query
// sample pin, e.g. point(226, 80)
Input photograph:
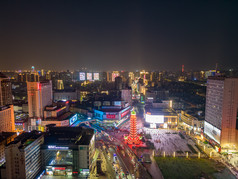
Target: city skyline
point(119, 35)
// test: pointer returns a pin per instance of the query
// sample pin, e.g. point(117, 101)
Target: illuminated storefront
point(111, 116)
point(68, 152)
point(160, 118)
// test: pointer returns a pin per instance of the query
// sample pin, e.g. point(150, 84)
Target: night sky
point(120, 35)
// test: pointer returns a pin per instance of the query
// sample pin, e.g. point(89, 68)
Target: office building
point(68, 151)
point(5, 138)
point(112, 115)
point(5, 90)
point(7, 122)
point(23, 156)
point(160, 115)
point(126, 95)
point(118, 83)
point(192, 121)
point(66, 95)
point(39, 96)
point(115, 74)
point(131, 76)
point(59, 115)
point(60, 85)
point(221, 115)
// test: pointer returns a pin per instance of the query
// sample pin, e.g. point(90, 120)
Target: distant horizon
point(121, 70)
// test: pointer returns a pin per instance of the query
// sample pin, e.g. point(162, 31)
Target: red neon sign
point(124, 113)
point(59, 168)
point(111, 116)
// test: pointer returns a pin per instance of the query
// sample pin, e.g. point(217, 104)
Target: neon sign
point(125, 113)
point(56, 147)
point(111, 116)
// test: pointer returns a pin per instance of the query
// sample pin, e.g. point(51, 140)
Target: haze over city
point(118, 35)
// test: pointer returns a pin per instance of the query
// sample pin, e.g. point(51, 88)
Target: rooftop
point(26, 138)
point(63, 117)
point(4, 107)
point(68, 136)
point(2, 75)
point(5, 135)
point(161, 111)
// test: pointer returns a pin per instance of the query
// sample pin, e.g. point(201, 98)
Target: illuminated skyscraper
point(39, 96)
point(60, 85)
point(118, 83)
point(131, 75)
point(115, 74)
point(23, 156)
point(5, 90)
point(7, 122)
point(221, 116)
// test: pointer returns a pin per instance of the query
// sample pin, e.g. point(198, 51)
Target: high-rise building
point(221, 115)
point(60, 85)
point(76, 76)
point(126, 95)
point(118, 83)
point(7, 122)
point(115, 74)
point(23, 156)
point(131, 75)
point(68, 151)
point(39, 96)
point(5, 138)
point(5, 90)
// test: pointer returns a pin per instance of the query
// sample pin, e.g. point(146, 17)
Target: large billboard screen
point(96, 76)
point(159, 119)
point(89, 76)
point(212, 132)
point(82, 76)
point(73, 119)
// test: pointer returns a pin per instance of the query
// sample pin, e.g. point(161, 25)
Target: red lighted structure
point(133, 138)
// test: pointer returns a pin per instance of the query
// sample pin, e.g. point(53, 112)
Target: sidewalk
point(154, 170)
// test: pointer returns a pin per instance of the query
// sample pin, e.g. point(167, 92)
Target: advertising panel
point(111, 116)
point(96, 76)
point(54, 147)
point(73, 119)
point(159, 119)
point(124, 113)
point(82, 76)
point(89, 76)
point(212, 132)
point(117, 103)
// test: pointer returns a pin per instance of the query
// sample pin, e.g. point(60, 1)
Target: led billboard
point(89, 76)
point(73, 119)
point(96, 76)
point(159, 119)
point(82, 76)
point(212, 132)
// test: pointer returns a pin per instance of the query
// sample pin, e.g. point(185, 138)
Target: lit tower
point(133, 138)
